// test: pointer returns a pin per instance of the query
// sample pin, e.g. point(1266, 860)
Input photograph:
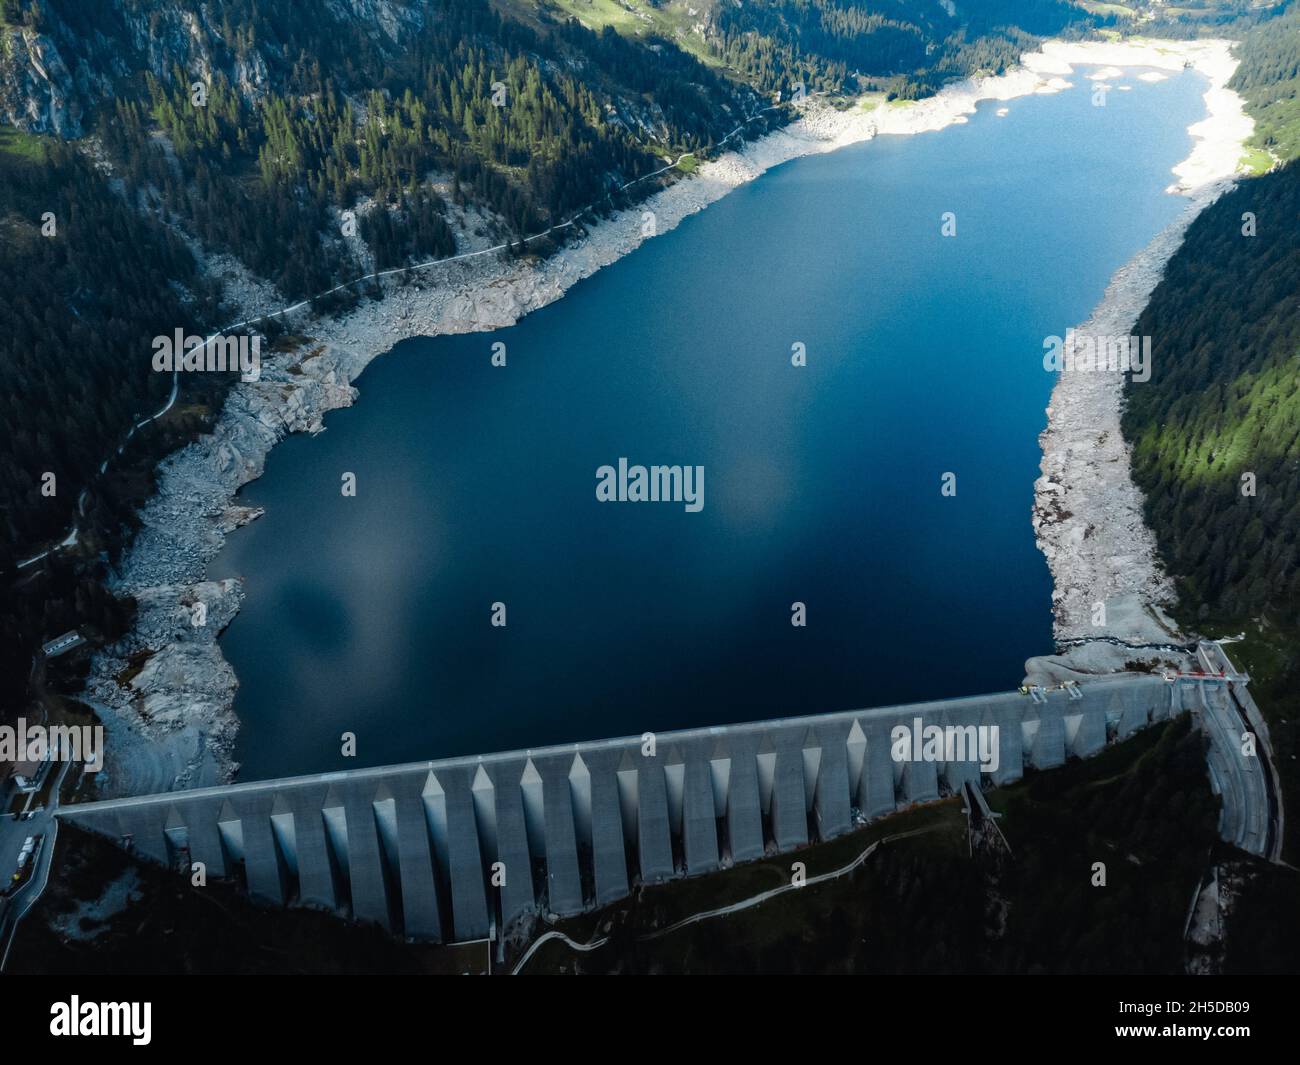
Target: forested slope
point(1223, 405)
point(86, 278)
point(87, 281)
point(1269, 78)
point(1216, 431)
point(1224, 402)
point(907, 46)
point(304, 116)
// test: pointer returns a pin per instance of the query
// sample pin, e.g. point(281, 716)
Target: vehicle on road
point(26, 863)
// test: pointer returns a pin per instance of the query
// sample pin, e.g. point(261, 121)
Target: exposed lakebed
point(476, 484)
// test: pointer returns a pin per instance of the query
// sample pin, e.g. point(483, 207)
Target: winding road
point(721, 911)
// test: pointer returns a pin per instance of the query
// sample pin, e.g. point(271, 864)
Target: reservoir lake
point(822, 483)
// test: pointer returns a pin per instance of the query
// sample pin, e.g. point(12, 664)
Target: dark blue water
point(822, 484)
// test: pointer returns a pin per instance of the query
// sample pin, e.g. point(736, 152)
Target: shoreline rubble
point(1108, 581)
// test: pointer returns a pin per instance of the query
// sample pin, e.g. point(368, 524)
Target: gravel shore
point(1087, 511)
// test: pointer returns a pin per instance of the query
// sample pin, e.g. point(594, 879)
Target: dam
point(456, 850)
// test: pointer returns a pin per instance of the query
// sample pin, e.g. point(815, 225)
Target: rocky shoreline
point(165, 692)
point(1110, 590)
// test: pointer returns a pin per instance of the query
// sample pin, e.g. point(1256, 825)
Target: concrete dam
point(455, 850)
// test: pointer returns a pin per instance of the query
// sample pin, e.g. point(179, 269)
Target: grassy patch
point(22, 145)
point(1256, 161)
point(636, 18)
point(1111, 764)
point(182, 411)
point(681, 898)
point(1121, 10)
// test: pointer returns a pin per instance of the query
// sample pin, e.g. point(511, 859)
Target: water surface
point(476, 484)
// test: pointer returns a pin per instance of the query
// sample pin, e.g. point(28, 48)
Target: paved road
point(1248, 815)
point(12, 834)
point(595, 944)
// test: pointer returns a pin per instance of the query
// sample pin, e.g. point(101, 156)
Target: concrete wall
point(445, 850)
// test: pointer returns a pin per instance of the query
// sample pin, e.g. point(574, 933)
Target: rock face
point(57, 69)
point(37, 91)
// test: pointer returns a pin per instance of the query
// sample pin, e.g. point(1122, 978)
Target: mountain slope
point(1216, 431)
point(1269, 78)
